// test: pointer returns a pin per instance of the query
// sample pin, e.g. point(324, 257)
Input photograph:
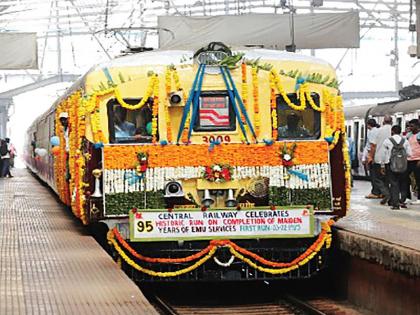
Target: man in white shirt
point(372, 128)
point(397, 178)
point(377, 156)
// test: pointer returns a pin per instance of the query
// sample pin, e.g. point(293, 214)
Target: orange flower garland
point(323, 239)
point(60, 159)
point(155, 109)
point(124, 157)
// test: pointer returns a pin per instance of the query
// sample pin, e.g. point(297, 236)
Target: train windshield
point(294, 124)
point(129, 126)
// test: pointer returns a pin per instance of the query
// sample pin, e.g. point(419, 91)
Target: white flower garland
point(124, 181)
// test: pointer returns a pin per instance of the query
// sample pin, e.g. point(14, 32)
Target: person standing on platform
point(64, 121)
point(372, 128)
point(1, 162)
point(414, 159)
point(377, 156)
point(12, 156)
point(5, 157)
point(397, 151)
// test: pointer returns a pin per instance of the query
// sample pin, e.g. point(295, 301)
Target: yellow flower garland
point(274, 77)
point(321, 107)
point(168, 88)
point(347, 170)
point(257, 117)
point(149, 93)
point(153, 273)
point(324, 240)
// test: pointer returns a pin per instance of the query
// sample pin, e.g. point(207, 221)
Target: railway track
point(285, 305)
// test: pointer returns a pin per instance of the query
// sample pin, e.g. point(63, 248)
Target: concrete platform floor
point(367, 217)
point(49, 265)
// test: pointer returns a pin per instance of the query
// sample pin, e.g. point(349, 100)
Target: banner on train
point(182, 224)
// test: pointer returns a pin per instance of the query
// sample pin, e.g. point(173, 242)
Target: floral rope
point(149, 92)
point(275, 81)
point(255, 94)
point(131, 262)
point(158, 260)
point(324, 238)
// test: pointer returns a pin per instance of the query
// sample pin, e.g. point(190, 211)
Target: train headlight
point(175, 98)
point(173, 189)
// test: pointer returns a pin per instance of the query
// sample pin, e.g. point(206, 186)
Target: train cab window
point(215, 113)
point(295, 124)
point(130, 126)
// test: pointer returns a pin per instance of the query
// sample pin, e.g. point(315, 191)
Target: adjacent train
point(208, 165)
point(402, 112)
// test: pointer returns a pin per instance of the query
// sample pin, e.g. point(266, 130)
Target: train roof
point(178, 57)
point(406, 106)
point(353, 112)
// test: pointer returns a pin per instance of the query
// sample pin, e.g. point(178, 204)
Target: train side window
point(130, 126)
point(215, 112)
point(295, 124)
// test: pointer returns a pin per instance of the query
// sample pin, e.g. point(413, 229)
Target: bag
point(398, 159)
point(3, 149)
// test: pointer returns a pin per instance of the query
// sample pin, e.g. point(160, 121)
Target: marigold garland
point(244, 97)
point(255, 94)
point(155, 109)
point(275, 79)
point(335, 140)
point(273, 106)
point(158, 260)
point(131, 262)
point(124, 157)
point(168, 88)
point(321, 107)
point(347, 169)
point(149, 92)
point(324, 238)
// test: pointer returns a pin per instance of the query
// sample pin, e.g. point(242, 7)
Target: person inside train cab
point(292, 128)
point(64, 121)
point(123, 128)
point(144, 122)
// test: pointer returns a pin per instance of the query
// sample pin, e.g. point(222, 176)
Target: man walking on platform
point(377, 156)
point(372, 127)
point(397, 151)
point(414, 159)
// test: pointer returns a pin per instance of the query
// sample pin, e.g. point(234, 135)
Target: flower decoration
point(141, 165)
point(218, 173)
point(287, 154)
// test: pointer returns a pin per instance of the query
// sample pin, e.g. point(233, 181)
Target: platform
point(49, 265)
point(375, 232)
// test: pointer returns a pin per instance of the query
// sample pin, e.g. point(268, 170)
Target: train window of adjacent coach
point(129, 126)
point(215, 112)
point(295, 124)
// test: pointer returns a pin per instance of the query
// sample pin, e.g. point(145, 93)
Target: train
point(208, 165)
point(402, 111)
